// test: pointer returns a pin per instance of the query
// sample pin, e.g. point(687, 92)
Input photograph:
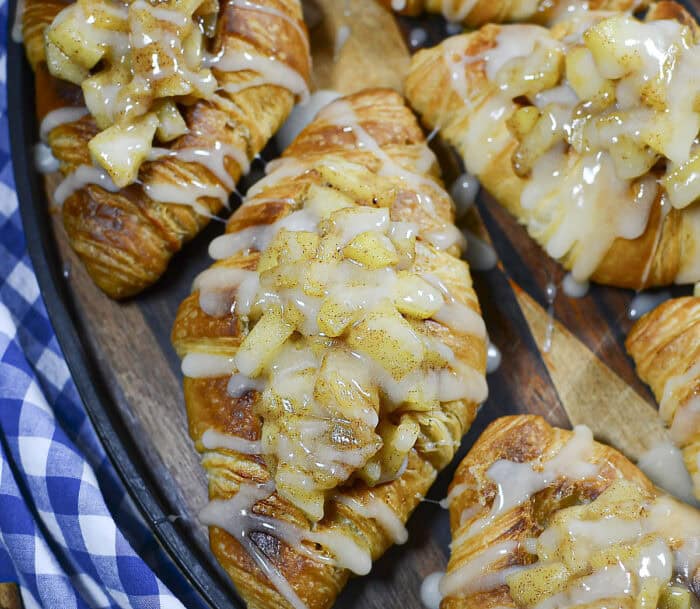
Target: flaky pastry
point(333, 355)
point(665, 346)
point(152, 111)
point(585, 132)
point(546, 518)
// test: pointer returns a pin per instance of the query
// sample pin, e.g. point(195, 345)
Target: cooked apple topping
point(135, 61)
point(338, 343)
point(620, 546)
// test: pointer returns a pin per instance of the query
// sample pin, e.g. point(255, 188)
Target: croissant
point(665, 346)
point(548, 518)
point(475, 13)
point(209, 83)
point(577, 136)
point(333, 355)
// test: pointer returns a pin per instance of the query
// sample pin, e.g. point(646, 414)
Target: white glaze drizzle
point(518, 482)
point(573, 288)
point(81, 177)
point(493, 358)
point(663, 464)
point(44, 160)
point(376, 509)
point(463, 192)
point(644, 302)
point(430, 590)
point(213, 440)
point(57, 117)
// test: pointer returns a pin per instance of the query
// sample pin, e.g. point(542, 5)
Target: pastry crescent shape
point(665, 346)
point(258, 56)
point(333, 355)
point(475, 13)
point(547, 518)
point(572, 135)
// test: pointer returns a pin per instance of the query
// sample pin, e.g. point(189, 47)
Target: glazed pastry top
point(344, 340)
point(576, 525)
point(600, 107)
point(138, 63)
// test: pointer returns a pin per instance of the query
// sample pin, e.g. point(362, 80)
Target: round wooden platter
point(564, 360)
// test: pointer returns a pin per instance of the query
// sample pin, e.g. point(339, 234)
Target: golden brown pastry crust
point(665, 345)
point(670, 241)
point(126, 239)
point(476, 14)
point(390, 123)
point(521, 439)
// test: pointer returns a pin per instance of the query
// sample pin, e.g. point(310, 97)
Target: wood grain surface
point(585, 377)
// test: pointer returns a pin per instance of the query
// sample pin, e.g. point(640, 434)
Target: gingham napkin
point(64, 519)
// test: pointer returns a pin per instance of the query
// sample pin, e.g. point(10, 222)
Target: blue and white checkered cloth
point(65, 521)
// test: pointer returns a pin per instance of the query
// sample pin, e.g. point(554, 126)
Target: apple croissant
point(475, 13)
point(546, 518)
point(585, 132)
point(665, 346)
point(153, 111)
point(333, 355)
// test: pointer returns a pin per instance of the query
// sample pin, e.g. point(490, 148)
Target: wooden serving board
point(583, 377)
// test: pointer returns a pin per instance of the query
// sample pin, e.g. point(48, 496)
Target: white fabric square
point(99, 534)
point(8, 200)
point(44, 560)
point(33, 453)
point(7, 324)
point(53, 367)
point(23, 280)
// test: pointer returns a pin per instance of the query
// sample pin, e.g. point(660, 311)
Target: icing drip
point(417, 37)
point(302, 115)
point(44, 160)
point(60, 116)
point(573, 288)
point(213, 439)
point(645, 302)
point(493, 358)
point(430, 590)
point(663, 464)
point(81, 177)
point(684, 417)
point(479, 254)
point(463, 192)
point(550, 295)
